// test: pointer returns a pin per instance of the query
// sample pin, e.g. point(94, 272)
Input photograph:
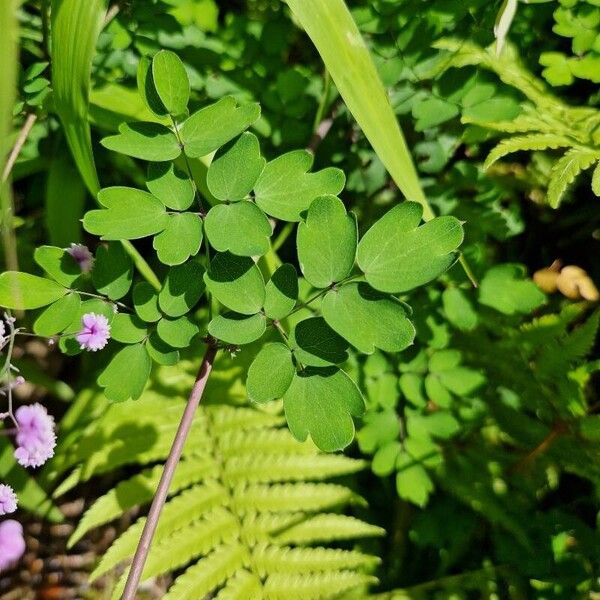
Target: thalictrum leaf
point(59, 264)
point(57, 316)
point(126, 374)
point(270, 373)
point(316, 344)
point(233, 328)
point(177, 333)
point(23, 291)
point(242, 228)
point(128, 329)
point(113, 271)
point(171, 81)
point(182, 289)
point(396, 254)
point(145, 302)
point(321, 403)
point(170, 185)
point(327, 242)
point(180, 239)
point(285, 189)
point(281, 292)
point(148, 141)
point(368, 319)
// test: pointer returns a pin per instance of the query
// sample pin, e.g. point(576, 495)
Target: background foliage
point(477, 454)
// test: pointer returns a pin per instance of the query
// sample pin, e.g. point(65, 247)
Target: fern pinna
point(249, 508)
point(544, 123)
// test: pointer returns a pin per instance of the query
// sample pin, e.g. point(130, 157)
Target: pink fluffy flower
point(95, 333)
point(8, 499)
point(83, 257)
point(35, 436)
point(12, 543)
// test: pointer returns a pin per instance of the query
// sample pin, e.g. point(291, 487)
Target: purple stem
point(141, 553)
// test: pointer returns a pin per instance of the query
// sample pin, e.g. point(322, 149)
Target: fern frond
point(291, 467)
point(216, 528)
point(596, 180)
point(241, 586)
point(240, 495)
point(327, 528)
point(540, 141)
point(308, 497)
point(177, 514)
point(139, 490)
point(273, 559)
point(209, 573)
point(314, 586)
point(566, 169)
point(274, 441)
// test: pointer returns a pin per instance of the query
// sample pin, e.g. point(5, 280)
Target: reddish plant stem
point(141, 553)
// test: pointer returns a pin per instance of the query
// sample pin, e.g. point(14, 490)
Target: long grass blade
point(333, 31)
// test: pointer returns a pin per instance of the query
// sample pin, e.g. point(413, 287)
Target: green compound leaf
point(368, 319)
point(129, 214)
point(23, 291)
point(128, 329)
point(236, 168)
point(177, 333)
point(285, 189)
point(148, 141)
point(170, 185)
point(182, 289)
point(459, 310)
point(321, 403)
point(171, 81)
point(113, 271)
point(327, 242)
point(160, 352)
point(412, 480)
point(180, 239)
point(213, 126)
point(145, 302)
point(147, 89)
point(126, 374)
point(233, 328)
point(236, 282)
point(504, 289)
point(271, 373)
point(242, 228)
point(58, 316)
point(281, 292)
point(397, 255)
point(59, 264)
point(317, 345)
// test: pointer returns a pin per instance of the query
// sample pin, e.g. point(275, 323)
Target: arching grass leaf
point(129, 214)
point(285, 188)
point(236, 168)
point(271, 373)
point(396, 254)
point(242, 228)
point(233, 328)
point(236, 282)
point(148, 141)
point(180, 239)
point(213, 126)
point(327, 242)
point(170, 185)
point(368, 319)
point(126, 374)
point(281, 292)
point(321, 403)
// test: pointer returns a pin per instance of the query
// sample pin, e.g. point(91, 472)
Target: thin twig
point(141, 553)
point(16, 150)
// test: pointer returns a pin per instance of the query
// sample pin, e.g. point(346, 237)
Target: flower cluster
point(12, 543)
point(35, 435)
point(95, 332)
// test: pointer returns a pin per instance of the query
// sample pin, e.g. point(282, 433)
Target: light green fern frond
point(548, 121)
point(566, 169)
point(247, 505)
point(534, 141)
